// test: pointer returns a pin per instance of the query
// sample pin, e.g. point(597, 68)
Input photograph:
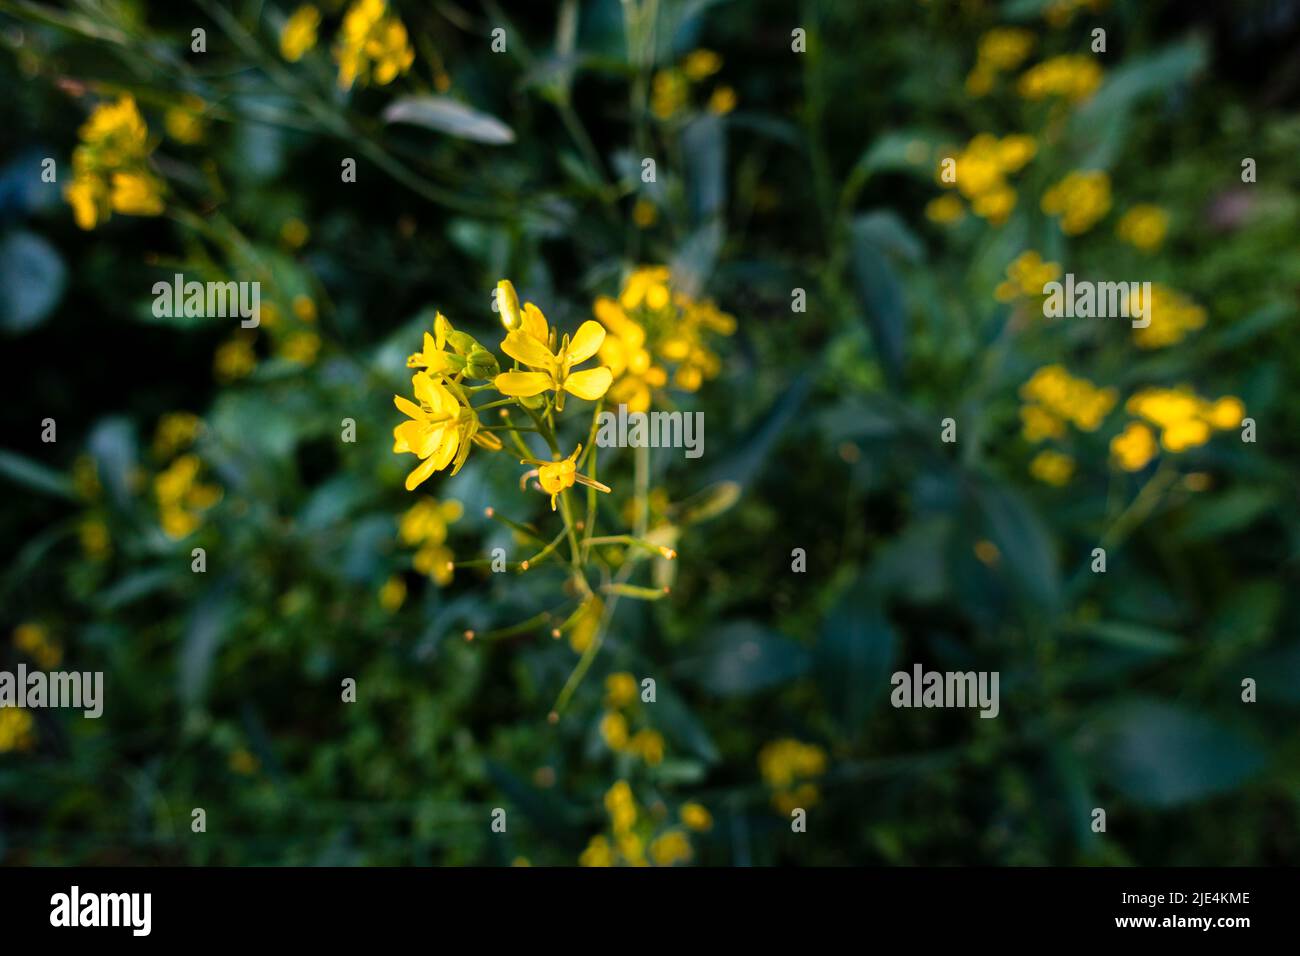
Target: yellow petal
point(522, 347)
point(534, 323)
point(590, 384)
point(586, 342)
point(446, 448)
point(408, 436)
point(407, 407)
point(422, 471)
point(522, 384)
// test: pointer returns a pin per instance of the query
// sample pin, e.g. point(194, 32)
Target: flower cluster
point(424, 527)
point(372, 45)
point(17, 729)
point(622, 702)
point(670, 90)
point(35, 641)
point(1172, 314)
point(1052, 397)
point(653, 329)
point(1073, 77)
point(182, 497)
point(638, 837)
point(1081, 199)
point(1001, 50)
point(110, 167)
point(1184, 419)
point(982, 169)
point(788, 766)
point(1026, 276)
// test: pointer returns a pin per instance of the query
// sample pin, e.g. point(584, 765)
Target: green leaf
point(208, 624)
point(1132, 637)
point(1161, 754)
point(743, 466)
point(1227, 513)
point(1026, 547)
point(744, 657)
point(881, 292)
point(704, 144)
point(855, 655)
point(34, 475)
point(32, 279)
point(446, 115)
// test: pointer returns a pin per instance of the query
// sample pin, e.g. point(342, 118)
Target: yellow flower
point(1073, 77)
point(1143, 227)
point(723, 101)
point(597, 853)
point(34, 640)
point(184, 123)
point(995, 205)
point(783, 761)
point(1080, 200)
point(613, 730)
point(372, 45)
point(620, 690)
point(426, 521)
point(294, 233)
point(234, 359)
point(1133, 448)
point(621, 806)
point(669, 848)
point(242, 762)
point(433, 433)
point(1015, 151)
point(15, 729)
point(135, 194)
point(300, 347)
point(175, 431)
point(1172, 316)
point(644, 214)
point(1040, 424)
point(696, 817)
point(393, 593)
point(945, 209)
point(649, 746)
point(1227, 412)
point(701, 64)
point(304, 308)
point(1004, 48)
point(181, 496)
point(1026, 276)
point(552, 369)
point(1189, 433)
point(647, 287)
point(668, 93)
point(110, 171)
point(1052, 467)
point(299, 33)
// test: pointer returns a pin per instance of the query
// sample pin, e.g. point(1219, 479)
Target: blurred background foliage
point(776, 171)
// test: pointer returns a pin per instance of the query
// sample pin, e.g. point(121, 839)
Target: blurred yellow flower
point(1133, 448)
point(613, 730)
point(175, 432)
point(700, 64)
point(110, 166)
point(945, 209)
point(1143, 227)
point(95, 541)
point(392, 595)
point(182, 497)
point(1073, 77)
point(786, 766)
point(299, 33)
point(1004, 48)
point(644, 214)
point(300, 347)
point(1052, 467)
point(668, 93)
point(696, 817)
point(1080, 200)
point(1172, 316)
point(648, 745)
point(235, 358)
point(670, 848)
point(1063, 398)
point(16, 730)
point(373, 46)
point(184, 123)
point(723, 101)
point(424, 526)
point(597, 853)
point(1026, 276)
point(34, 641)
point(620, 690)
point(1186, 420)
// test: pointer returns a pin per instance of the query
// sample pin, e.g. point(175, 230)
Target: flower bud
point(508, 305)
point(482, 364)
